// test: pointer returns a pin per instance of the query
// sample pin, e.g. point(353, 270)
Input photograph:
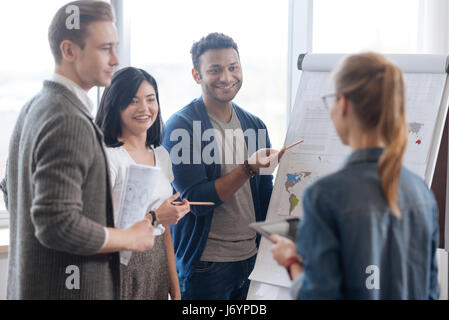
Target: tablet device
point(283, 227)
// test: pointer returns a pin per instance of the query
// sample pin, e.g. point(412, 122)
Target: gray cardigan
point(57, 192)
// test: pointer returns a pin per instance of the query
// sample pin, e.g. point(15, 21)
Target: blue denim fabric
point(348, 236)
point(218, 281)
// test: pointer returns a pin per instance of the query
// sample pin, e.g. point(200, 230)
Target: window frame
point(300, 36)
point(4, 219)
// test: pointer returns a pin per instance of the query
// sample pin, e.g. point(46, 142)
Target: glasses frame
point(326, 98)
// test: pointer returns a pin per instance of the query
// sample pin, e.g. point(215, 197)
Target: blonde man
point(63, 242)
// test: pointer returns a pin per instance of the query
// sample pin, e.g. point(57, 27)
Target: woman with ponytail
point(370, 230)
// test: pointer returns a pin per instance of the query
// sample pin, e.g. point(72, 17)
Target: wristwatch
point(153, 215)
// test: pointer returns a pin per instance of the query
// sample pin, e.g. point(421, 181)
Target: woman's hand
point(175, 294)
point(284, 252)
point(283, 249)
point(169, 213)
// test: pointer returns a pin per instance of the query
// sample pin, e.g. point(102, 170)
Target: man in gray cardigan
point(63, 244)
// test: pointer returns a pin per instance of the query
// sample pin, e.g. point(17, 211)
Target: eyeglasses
point(329, 100)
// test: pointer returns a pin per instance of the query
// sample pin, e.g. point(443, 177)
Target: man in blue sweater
point(209, 141)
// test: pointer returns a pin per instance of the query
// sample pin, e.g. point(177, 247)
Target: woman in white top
point(130, 119)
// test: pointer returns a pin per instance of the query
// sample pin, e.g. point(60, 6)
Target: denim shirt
point(355, 248)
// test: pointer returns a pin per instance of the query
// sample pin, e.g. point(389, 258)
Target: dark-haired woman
point(370, 230)
point(130, 118)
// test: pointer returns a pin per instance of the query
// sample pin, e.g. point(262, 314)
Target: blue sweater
point(196, 181)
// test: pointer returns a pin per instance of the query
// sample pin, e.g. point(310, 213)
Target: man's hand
point(140, 236)
point(265, 161)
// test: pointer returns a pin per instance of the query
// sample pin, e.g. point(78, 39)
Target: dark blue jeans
point(218, 281)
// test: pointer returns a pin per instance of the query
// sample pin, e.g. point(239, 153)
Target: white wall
point(434, 27)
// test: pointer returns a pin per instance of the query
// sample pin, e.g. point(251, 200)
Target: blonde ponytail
point(393, 129)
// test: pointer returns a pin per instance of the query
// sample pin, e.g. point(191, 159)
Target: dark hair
point(89, 12)
point(211, 41)
point(117, 97)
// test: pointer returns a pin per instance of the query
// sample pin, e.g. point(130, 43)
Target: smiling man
point(215, 249)
point(63, 244)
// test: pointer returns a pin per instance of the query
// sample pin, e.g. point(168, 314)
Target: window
point(25, 63)
point(162, 34)
point(349, 26)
